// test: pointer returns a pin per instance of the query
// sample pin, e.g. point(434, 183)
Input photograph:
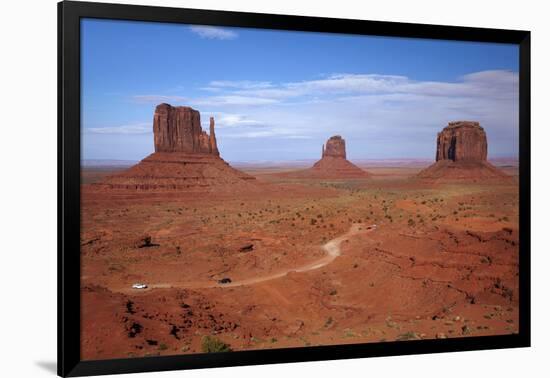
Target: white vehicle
point(139, 286)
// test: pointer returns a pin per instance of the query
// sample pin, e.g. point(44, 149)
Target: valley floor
point(441, 262)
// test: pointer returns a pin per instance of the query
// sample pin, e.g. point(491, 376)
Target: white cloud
point(140, 128)
point(213, 32)
point(231, 100)
point(233, 120)
point(242, 84)
point(493, 76)
point(275, 132)
point(157, 99)
point(237, 126)
point(379, 115)
point(211, 89)
point(480, 84)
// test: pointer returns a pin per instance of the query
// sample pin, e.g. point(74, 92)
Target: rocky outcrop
point(333, 163)
point(186, 158)
point(178, 129)
point(461, 155)
point(212, 139)
point(335, 147)
point(462, 141)
point(180, 171)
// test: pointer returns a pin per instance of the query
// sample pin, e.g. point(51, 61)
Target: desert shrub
point(349, 333)
point(211, 344)
point(408, 336)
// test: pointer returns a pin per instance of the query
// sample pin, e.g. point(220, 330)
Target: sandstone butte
point(333, 163)
point(185, 158)
point(461, 154)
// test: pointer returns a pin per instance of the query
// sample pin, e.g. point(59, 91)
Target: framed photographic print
point(239, 188)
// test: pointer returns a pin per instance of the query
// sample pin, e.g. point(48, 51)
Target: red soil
point(476, 171)
point(329, 168)
point(163, 171)
point(442, 261)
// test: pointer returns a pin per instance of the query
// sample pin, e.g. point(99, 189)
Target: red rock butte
point(185, 158)
point(461, 154)
point(333, 163)
point(335, 147)
point(178, 129)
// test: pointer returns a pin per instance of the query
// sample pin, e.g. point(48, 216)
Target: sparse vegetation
point(211, 344)
point(408, 336)
point(415, 244)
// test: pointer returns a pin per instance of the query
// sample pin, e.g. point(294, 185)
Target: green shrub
point(211, 344)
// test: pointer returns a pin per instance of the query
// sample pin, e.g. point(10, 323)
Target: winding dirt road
point(332, 249)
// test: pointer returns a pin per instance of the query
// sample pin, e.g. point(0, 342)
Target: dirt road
point(332, 249)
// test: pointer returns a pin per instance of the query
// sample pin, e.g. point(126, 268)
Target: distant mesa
point(461, 154)
point(185, 158)
point(335, 147)
point(333, 163)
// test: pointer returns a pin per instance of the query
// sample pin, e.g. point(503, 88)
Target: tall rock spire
point(213, 142)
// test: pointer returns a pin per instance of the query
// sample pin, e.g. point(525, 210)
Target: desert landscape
point(184, 253)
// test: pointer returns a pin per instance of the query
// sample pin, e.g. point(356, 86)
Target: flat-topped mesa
point(178, 129)
point(335, 147)
point(461, 155)
point(462, 141)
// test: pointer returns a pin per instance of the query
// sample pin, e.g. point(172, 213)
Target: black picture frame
point(69, 15)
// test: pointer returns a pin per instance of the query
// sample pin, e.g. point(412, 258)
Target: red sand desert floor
point(311, 262)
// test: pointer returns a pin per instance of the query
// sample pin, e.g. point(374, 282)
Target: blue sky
point(278, 95)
